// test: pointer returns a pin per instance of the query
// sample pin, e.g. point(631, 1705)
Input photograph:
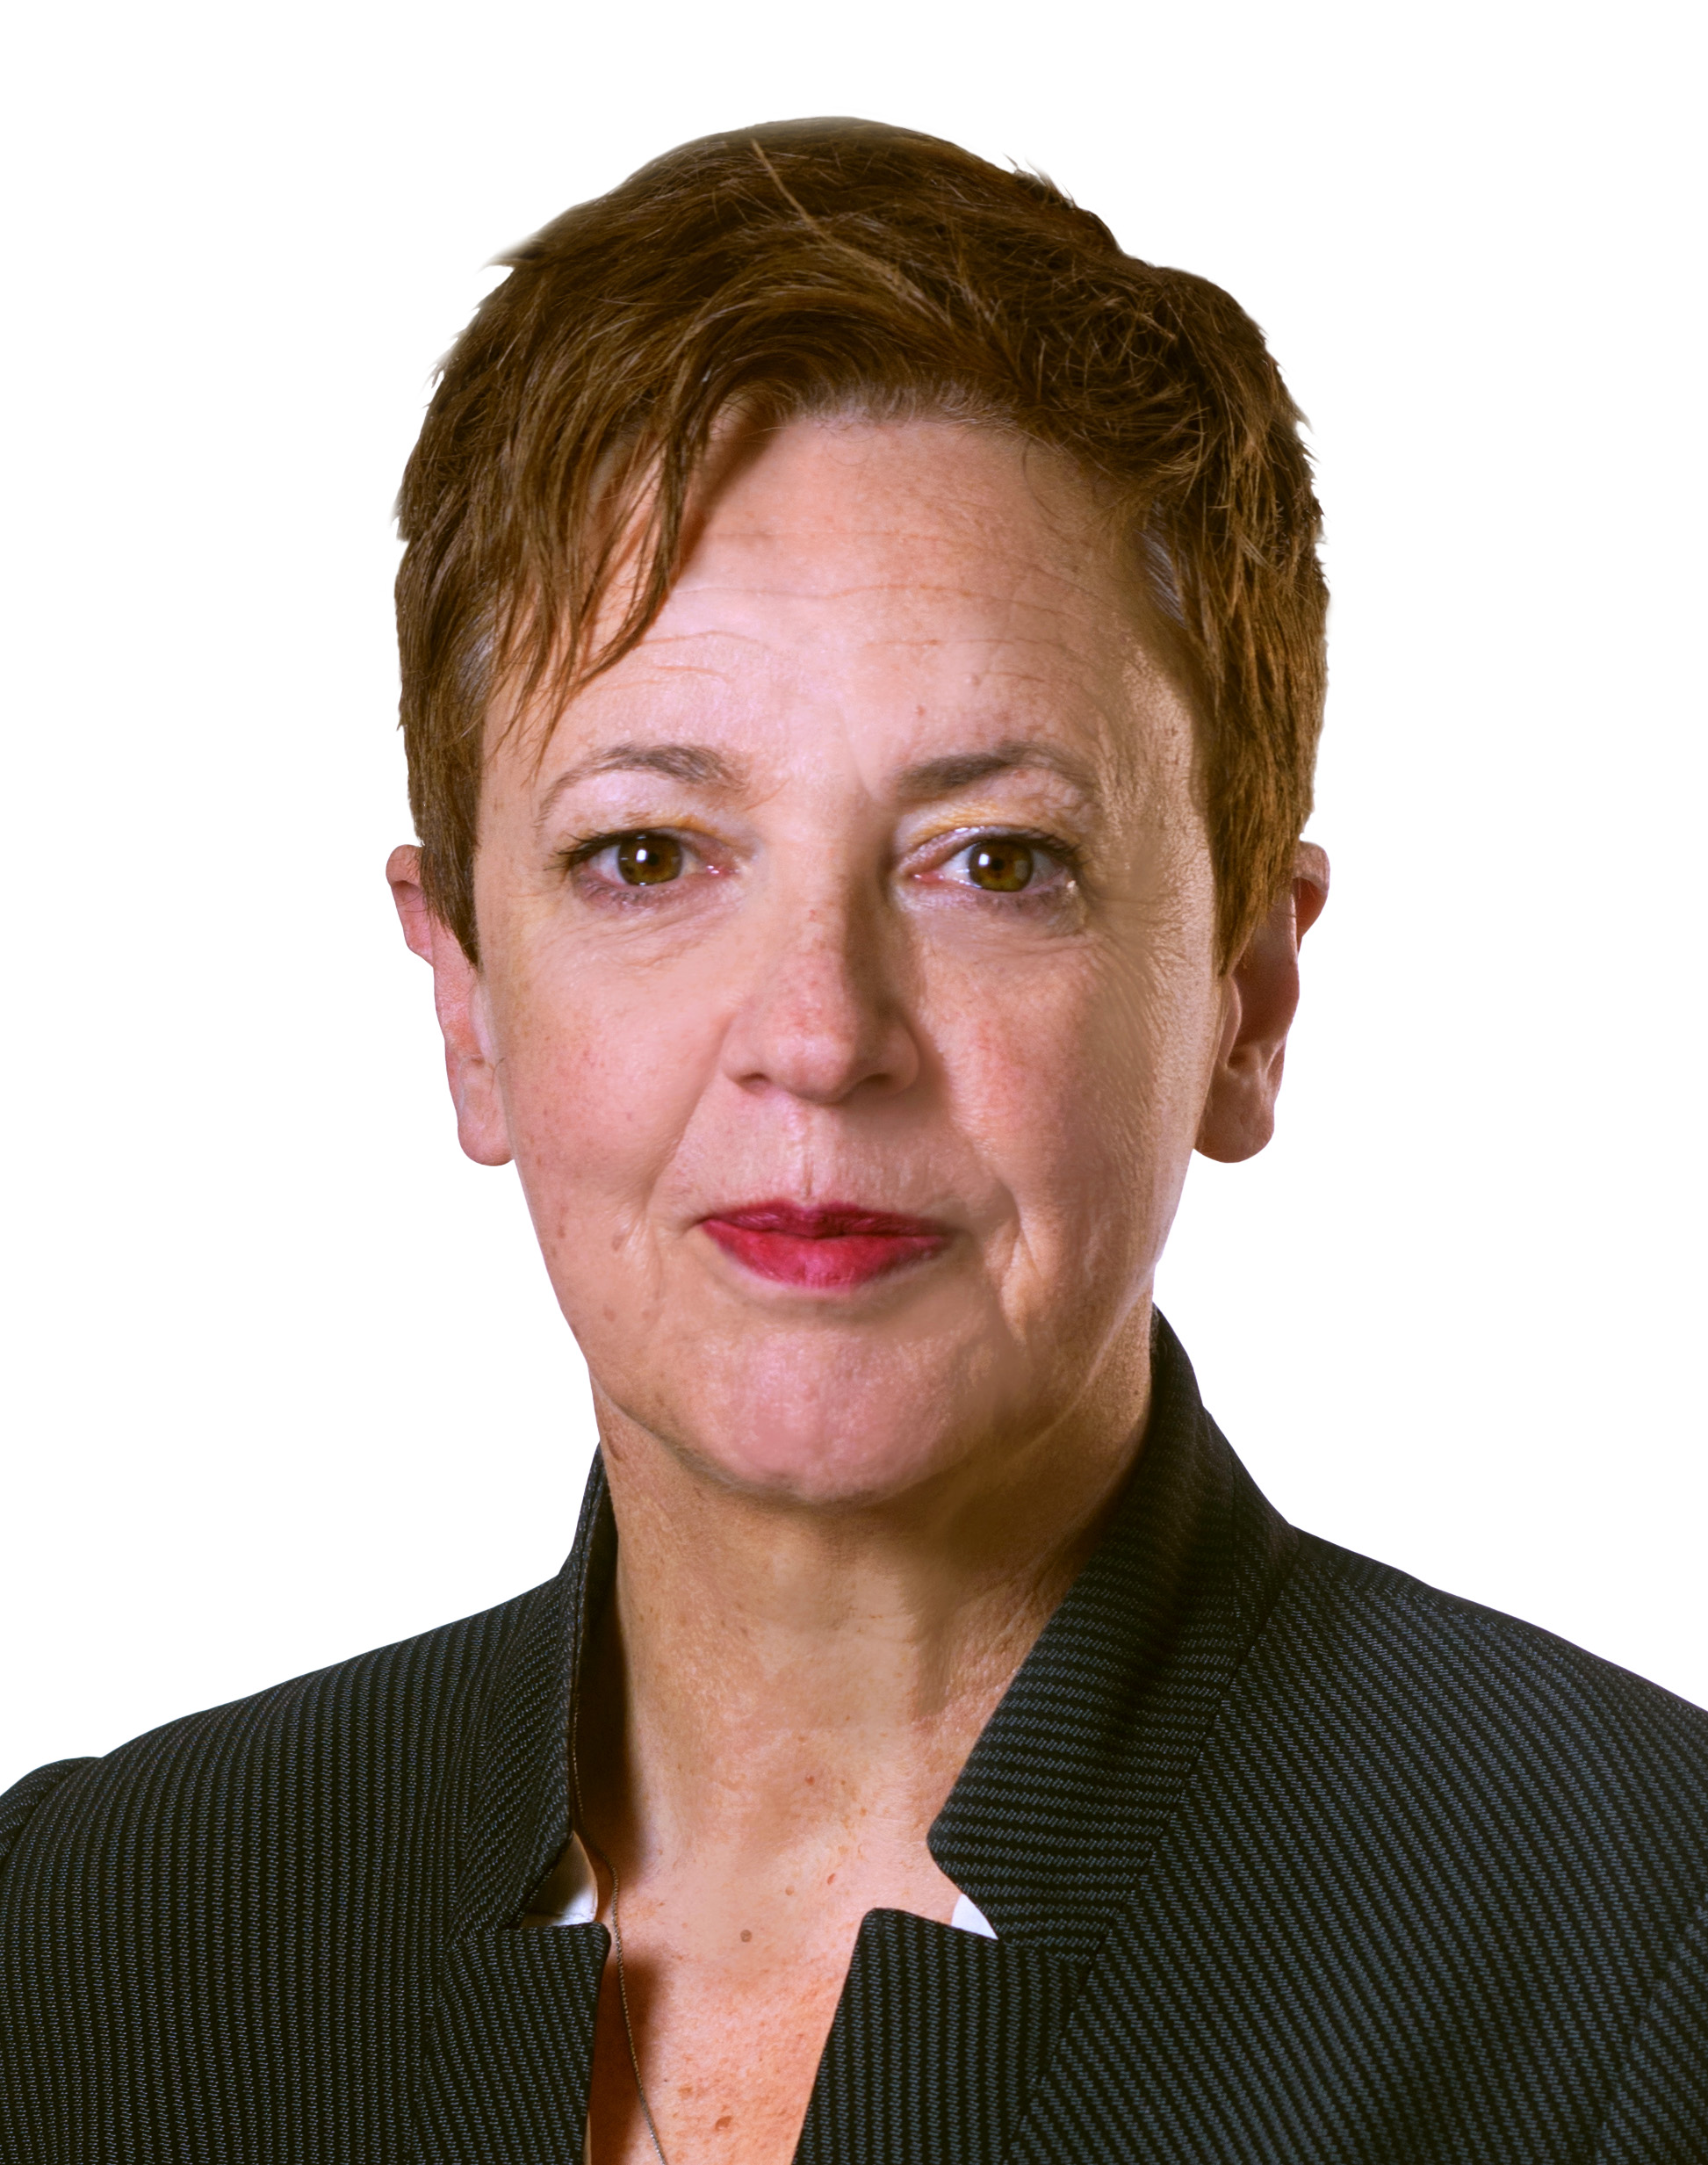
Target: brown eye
point(648, 860)
point(1001, 865)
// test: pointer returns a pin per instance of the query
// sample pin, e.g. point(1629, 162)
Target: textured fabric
point(1446, 1948)
point(950, 2088)
point(1290, 1857)
point(506, 2075)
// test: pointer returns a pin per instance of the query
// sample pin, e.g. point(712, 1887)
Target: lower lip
point(823, 1262)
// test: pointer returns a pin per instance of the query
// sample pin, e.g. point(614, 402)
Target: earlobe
point(460, 997)
point(1261, 995)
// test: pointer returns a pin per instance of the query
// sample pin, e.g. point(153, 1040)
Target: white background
point(285, 1379)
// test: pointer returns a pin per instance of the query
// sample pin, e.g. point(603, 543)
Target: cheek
point(1082, 1085)
point(599, 1074)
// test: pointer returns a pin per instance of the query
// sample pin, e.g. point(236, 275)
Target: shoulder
point(365, 1745)
point(1439, 1863)
point(19, 1804)
point(1503, 1745)
point(1523, 1685)
point(234, 1921)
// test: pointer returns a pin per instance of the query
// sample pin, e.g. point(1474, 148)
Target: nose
point(825, 1015)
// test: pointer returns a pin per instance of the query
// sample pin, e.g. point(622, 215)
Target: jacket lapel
point(505, 2079)
point(509, 2050)
point(1080, 1770)
point(942, 2039)
point(938, 2038)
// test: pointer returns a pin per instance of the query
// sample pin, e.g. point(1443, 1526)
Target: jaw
point(823, 1415)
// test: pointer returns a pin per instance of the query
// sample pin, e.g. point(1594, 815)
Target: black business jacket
point(1289, 1856)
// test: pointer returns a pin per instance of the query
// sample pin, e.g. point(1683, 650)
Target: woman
point(862, 661)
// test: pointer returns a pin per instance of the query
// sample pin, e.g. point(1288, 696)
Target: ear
point(1260, 994)
point(459, 994)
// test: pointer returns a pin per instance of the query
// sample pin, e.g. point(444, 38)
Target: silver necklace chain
point(616, 1939)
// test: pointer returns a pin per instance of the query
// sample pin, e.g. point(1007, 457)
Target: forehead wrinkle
point(663, 636)
point(1003, 658)
point(914, 585)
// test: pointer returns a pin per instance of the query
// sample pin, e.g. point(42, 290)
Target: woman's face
point(848, 997)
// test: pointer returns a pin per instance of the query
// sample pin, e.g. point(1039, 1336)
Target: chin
point(825, 1441)
point(819, 1473)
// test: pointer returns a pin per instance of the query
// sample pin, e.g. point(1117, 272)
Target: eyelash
point(583, 852)
point(1065, 855)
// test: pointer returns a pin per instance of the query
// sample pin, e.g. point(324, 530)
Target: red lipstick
point(830, 1247)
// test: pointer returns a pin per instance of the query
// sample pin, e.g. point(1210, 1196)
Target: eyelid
point(962, 837)
point(587, 846)
point(935, 850)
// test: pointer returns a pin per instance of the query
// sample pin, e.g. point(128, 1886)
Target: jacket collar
point(507, 2050)
point(1079, 1768)
point(519, 1814)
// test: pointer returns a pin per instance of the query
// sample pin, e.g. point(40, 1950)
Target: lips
point(830, 1247)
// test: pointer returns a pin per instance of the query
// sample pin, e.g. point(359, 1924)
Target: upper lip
point(828, 1221)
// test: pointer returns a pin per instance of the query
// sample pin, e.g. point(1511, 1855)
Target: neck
point(769, 1676)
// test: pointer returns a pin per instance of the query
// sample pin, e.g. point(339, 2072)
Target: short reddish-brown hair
point(823, 266)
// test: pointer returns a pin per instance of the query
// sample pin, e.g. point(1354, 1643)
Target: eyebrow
point(960, 770)
point(698, 765)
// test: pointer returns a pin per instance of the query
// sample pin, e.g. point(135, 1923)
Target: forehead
point(887, 591)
